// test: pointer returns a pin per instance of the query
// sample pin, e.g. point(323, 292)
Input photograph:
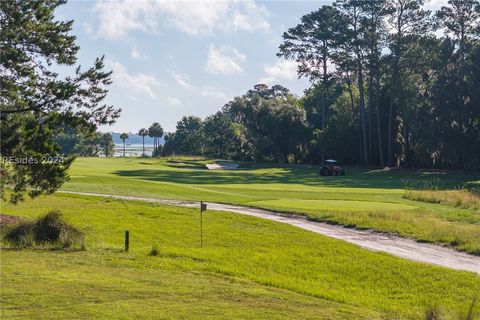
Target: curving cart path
point(395, 245)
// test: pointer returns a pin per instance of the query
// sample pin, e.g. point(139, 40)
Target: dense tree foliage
point(264, 124)
point(36, 103)
point(156, 132)
point(392, 83)
point(85, 144)
point(187, 138)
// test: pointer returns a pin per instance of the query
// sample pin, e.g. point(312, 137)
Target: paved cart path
point(395, 245)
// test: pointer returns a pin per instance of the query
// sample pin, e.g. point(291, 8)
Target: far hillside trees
point(85, 144)
point(392, 83)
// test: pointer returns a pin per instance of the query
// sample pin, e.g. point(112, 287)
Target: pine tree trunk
point(362, 112)
point(391, 112)
point(369, 111)
point(379, 130)
point(324, 102)
point(350, 92)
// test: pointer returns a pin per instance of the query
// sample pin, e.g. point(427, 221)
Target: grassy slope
point(286, 188)
point(249, 268)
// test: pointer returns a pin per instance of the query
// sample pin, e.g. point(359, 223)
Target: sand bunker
point(222, 165)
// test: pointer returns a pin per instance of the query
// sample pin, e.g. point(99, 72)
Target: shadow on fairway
point(306, 175)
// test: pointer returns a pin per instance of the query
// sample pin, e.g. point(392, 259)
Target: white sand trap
point(222, 165)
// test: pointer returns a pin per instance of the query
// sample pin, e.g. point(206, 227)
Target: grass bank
point(363, 198)
point(456, 198)
point(249, 268)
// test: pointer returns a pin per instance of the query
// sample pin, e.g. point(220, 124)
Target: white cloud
point(139, 55)
point(435, 5)
point(224, 60)
point(181, 79)
point(88, 28)
point(213, 92)
point(140, 83)
point(280, 70)
point(117, 18)
point(173, 101)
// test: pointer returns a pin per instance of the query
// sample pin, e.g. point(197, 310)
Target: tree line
point(85, 144)
point(392, 84)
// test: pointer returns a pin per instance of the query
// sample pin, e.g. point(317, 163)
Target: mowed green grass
point(362, 198)
point(249, 268)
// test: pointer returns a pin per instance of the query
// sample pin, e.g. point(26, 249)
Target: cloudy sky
point(175, 58)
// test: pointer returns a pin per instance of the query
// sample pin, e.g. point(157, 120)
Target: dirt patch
point(8, 219)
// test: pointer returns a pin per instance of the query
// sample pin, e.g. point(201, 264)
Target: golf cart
point(330, 168)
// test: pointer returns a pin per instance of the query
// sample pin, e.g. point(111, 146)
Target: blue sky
point(175, 58)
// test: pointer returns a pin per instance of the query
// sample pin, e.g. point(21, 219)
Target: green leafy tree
point(354, 34)
point(156, 132)
point(406, 19)
point(312, 45)
point(188, 136)
point(35, 102)
point(143, 132)
point(374, 27)
point(107, 144)
point(461, 19)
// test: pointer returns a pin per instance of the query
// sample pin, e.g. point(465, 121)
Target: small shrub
point(291, 158)
point(434, 183)
point(49, 230)
point(157, 152)
point(456, 198)
point(154, 251)
point(470, 315)
point(433, 313)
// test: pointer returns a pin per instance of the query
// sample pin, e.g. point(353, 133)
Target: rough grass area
point(456, 198)
point(249, 268)
point(363, 198)
point(47, 231)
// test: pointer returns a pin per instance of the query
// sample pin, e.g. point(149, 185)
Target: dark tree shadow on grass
point(306, 175)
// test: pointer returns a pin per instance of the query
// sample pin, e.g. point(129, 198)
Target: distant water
point(133, 150)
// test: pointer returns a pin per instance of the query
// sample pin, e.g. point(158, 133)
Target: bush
point(154, 252)
point(433, 313)
point(424, 184)
point(49, 230)
point(157, 152)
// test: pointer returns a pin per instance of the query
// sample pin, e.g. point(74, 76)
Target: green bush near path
point(248, 268)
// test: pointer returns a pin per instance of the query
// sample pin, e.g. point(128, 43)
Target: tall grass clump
point(435, 313)
point(434, 183)
point(465, 199)
point(154, 251)
point(470, 314)
point(49, 230)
